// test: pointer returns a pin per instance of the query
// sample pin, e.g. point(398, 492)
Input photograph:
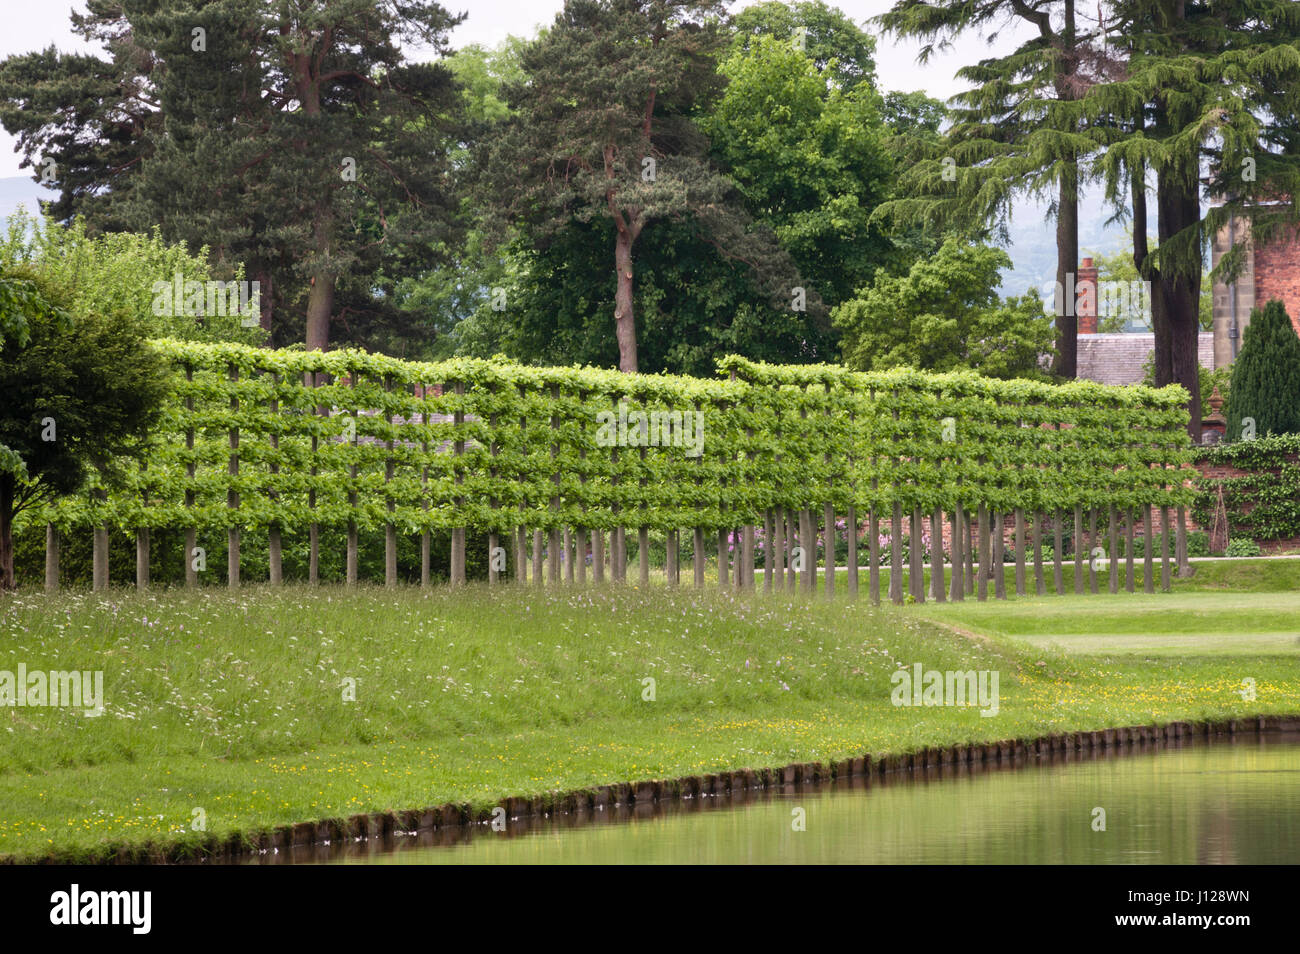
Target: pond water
point(1194, 802)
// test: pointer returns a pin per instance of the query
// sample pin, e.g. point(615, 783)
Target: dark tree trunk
point(6, 532)
point(320, 300)
point(1067, 267)
point(1176, 295)
point(320, 303)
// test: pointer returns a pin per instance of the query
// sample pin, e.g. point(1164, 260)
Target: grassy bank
point(234, 704)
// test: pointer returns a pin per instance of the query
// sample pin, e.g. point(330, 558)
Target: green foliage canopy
point(82, 393)
point(945, 315)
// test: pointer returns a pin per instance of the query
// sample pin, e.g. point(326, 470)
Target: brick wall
point(1212, 472)
point(1277, 274)
point(1086, 309)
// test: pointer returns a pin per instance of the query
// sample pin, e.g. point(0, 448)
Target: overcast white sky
point(35, 25)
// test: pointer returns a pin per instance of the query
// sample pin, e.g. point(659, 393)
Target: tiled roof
point(1118, 358)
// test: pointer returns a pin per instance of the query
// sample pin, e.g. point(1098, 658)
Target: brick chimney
point(1086, 289)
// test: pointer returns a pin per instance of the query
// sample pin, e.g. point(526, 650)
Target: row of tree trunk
point(789, 547)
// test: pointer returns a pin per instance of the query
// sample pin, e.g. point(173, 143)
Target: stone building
point(1270, 271)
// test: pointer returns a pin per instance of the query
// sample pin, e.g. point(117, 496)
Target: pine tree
point(1265, 388)
point(602, 129)
point(295, 138)
point(1205, 86)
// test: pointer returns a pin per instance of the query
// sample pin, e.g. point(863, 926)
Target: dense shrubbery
point(1263, 503)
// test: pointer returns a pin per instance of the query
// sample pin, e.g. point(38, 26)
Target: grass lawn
point(233, 704)
point(1236, 575)
point(1160, 625)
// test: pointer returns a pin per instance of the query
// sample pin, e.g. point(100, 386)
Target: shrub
point(1242, 547)
point(1266, 376)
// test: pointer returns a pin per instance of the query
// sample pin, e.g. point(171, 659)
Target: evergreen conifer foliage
point(1265, 389)
point(602, 129)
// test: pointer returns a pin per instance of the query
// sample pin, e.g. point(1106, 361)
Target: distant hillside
point(24, 191)
point(1033, 248)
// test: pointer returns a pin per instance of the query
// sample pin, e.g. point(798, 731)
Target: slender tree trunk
point(624, 321)
point(6, 532)
point(320, 305)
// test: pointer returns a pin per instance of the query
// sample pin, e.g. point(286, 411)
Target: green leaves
point(12, 463)
point(945, 315)
point(790, 436)
point(20, 303)
point(1265, 394)
point(1263, 500)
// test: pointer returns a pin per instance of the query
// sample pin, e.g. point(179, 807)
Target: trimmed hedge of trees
point(276, 440)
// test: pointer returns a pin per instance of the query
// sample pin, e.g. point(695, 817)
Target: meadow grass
point(233, 704)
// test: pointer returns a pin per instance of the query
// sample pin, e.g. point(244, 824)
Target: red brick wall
point(1222, 471)
point(1086, 308)
point(1277, 274)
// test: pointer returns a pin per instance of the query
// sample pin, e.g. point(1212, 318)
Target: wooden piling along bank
point(770, 464)
point(323, 838)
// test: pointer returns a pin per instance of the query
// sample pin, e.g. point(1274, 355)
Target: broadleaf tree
point(945, 315)
point(82, 390)
point(602, 129)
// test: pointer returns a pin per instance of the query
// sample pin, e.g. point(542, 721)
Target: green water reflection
point(1206, 804)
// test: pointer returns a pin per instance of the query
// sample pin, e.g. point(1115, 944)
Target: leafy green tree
point(482, 73)
point(810, 159)
point(945, 315)
point(602, 130)
point(914, 115)
point(81, 389)
point(695, 305)
point(837, 46)
point(1266, 376)
point(119, 272)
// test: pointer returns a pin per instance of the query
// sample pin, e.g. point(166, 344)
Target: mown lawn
point(1170, 624)
point(233, 704)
